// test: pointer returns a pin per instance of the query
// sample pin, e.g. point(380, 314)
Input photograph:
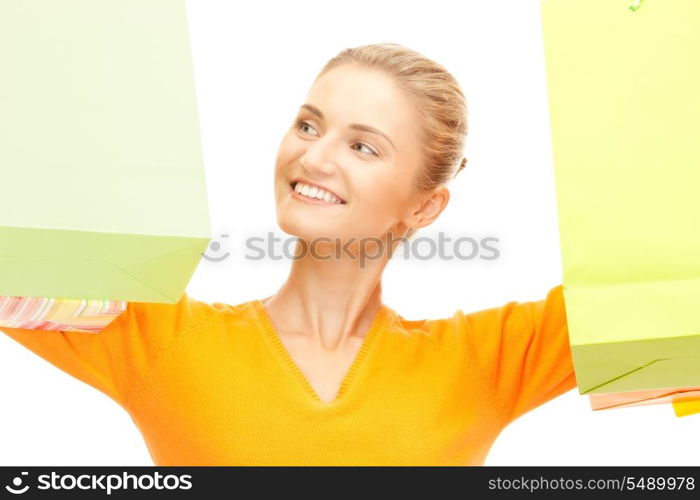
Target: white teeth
point(315, 192)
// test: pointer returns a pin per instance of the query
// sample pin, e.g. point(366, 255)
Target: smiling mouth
point(314, 194)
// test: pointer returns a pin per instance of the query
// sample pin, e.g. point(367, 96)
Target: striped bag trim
point(70, 315)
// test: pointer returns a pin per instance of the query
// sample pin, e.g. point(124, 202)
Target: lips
point(309, 183)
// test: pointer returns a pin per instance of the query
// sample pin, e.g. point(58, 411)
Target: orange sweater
point(212, 384)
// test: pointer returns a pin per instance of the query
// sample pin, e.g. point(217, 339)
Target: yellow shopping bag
point(624, 96)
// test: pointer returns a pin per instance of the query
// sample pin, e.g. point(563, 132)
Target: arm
point(523, 350)
point(116, 359)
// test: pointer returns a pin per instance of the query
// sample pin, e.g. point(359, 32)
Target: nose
point(320, 156)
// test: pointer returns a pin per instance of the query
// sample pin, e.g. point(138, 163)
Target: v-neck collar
point(280, 351)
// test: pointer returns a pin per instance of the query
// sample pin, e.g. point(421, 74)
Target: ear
point(428, 208)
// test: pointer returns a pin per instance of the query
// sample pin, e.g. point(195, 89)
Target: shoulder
point(470, 326)
point(437, 332)
point(188, 312)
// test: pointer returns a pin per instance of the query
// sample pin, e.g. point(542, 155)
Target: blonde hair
point(440, 103)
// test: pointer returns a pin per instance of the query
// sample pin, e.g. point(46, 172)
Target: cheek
point(381, 198)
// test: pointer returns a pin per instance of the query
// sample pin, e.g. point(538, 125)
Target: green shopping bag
point(100, 159)
point(624, 95)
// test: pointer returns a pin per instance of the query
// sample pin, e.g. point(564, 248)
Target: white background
point(254, 62)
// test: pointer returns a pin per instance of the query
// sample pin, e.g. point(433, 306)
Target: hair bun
point(461, 166)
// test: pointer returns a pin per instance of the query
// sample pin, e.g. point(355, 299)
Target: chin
point(304, 229)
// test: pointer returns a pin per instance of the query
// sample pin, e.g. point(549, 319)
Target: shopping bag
point(684, 407)
point(603, 400)
point(623, 80)
point(100, 159)
point(36, 313)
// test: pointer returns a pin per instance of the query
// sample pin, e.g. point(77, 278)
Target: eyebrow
point(355, 126)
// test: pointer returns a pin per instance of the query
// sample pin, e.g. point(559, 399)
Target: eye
point(302, 123)
point(362, 144)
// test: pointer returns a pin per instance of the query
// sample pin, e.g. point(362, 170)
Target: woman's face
point(357, 135)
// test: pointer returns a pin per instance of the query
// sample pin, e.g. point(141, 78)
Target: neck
point(328, 301)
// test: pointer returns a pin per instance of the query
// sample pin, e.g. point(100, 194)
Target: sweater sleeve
point(117, 358)
point(523, 350)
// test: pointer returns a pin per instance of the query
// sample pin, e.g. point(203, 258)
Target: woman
point(322, 372)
